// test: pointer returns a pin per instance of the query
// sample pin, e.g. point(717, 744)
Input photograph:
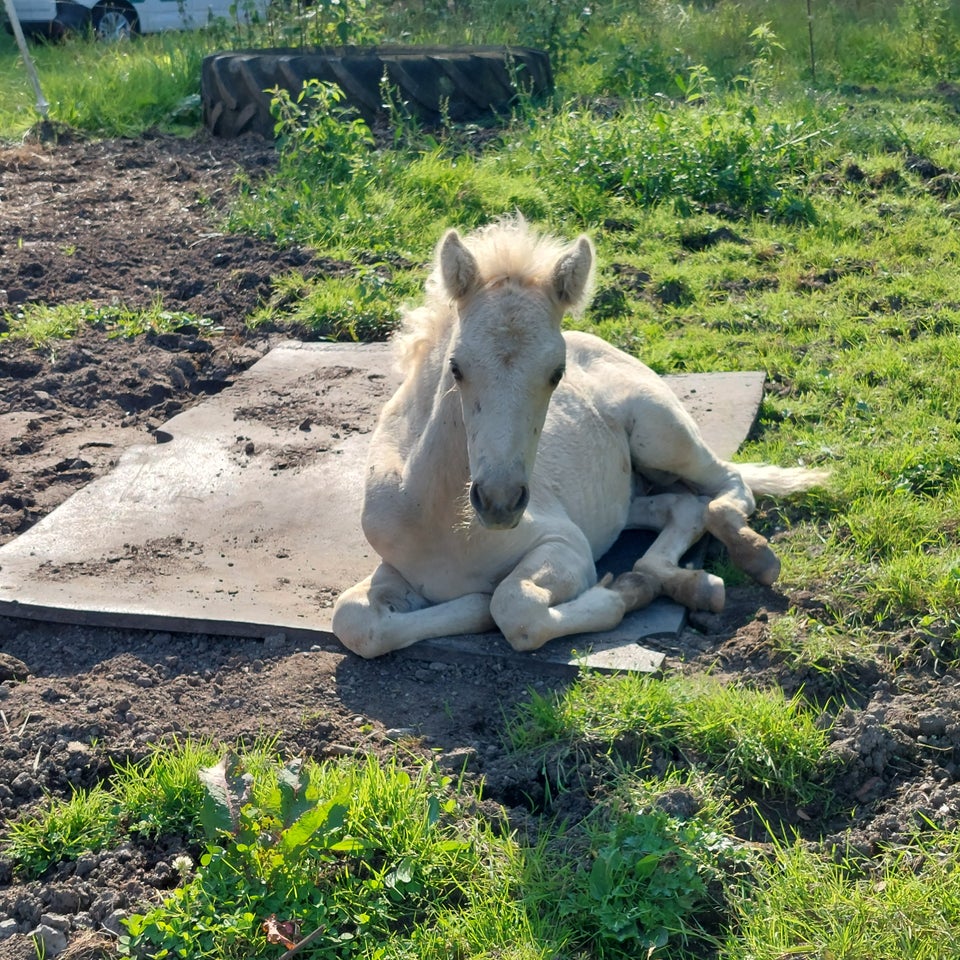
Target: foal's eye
point(556, 376)
point(455, 370)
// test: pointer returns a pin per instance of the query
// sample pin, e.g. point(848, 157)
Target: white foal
point(513, 455)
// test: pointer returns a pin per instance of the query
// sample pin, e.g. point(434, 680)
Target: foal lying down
point(514, 454)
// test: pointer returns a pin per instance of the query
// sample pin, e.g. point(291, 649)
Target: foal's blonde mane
point(505, 250)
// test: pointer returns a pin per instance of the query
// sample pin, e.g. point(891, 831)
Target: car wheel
point(113, 22)
point(433, 83)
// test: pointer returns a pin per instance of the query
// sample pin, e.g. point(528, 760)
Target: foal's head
point(511, 289)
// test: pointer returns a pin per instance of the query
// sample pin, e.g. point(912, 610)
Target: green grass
point(106, 90)
point(905, 905)
point(385, 861)
point(159, 795)
point(646, 873)
point(757, 738)
point(44, 325)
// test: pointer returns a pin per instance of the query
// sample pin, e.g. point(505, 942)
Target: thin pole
point(42, 104)
point(813, 62)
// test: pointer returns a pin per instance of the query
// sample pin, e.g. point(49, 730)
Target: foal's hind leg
point(384, 613)
point(680, 518)
point(667, 441)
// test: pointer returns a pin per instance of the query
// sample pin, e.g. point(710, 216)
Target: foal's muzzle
point(499, 510)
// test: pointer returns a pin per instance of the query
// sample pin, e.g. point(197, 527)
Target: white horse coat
point(513, 455)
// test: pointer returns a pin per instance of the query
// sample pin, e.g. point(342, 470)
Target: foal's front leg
point(384, 613)
point(553, 593)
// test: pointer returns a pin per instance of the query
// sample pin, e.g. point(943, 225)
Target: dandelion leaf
point(227, 789)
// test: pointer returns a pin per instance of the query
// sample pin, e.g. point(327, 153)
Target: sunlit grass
point(159, 795)
point(107, 90)
point(43, 325)
point(803, 904)
point(757, 738)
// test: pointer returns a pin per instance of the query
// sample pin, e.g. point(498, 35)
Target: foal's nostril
point(523, 498)
point(476, 497)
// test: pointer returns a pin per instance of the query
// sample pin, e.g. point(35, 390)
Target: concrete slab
point(243, 519)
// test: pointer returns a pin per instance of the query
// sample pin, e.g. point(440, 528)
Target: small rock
point(458, 758)
point(23, 784)
point(400, 733)
point(12, 669)
point(112, 922)
point(56, 921)
point(85, 865)
point(933, 724)
point(8, 927)
point(52, 942)
point(102, 906)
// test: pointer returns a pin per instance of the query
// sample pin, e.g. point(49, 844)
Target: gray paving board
point(244, 519)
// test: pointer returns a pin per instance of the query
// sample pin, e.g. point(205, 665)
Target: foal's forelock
point(506, 253)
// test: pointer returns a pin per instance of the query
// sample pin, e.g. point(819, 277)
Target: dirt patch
point(128, 221)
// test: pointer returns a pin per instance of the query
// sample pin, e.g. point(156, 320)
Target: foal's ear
point(572, 278)
point(458, 266)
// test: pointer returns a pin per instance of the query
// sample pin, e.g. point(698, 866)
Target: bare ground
point(128, 221)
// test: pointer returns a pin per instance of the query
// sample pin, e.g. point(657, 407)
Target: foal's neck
point(438, 451)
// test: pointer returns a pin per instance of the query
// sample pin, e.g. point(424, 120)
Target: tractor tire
point(434, 83)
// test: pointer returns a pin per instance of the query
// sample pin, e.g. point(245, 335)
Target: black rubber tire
point(461, 83)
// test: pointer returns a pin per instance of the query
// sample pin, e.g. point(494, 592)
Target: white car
point(117, 19)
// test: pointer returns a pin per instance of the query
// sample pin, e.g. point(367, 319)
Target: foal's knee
point(355, 627)
point(522, 618)
point(638, 588)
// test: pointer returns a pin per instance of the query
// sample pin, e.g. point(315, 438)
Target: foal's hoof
point(637, 589)
point(704, 592)
point(763, 565)
point(752, 554)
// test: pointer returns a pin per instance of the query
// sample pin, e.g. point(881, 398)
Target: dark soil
point(127, 222)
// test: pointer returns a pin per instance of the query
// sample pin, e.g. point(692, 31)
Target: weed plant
point(368, 860)
point(647, 872)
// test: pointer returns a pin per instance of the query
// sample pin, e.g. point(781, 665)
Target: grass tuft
point(759, 739)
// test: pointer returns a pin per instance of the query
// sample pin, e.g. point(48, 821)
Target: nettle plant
point(337, 854)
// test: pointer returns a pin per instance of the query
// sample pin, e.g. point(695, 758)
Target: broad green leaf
point(227, 789)
point(296, 795)
point(323, 820)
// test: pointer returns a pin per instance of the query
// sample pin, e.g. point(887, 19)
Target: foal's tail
point(764, 479)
